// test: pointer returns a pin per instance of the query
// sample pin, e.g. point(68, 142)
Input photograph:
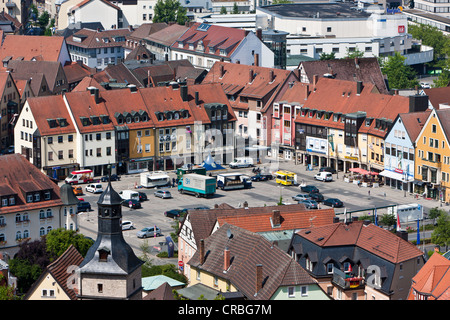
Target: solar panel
point(203, 27)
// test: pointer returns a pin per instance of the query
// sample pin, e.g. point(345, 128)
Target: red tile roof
point(168, 35)
point(29, 47)
point(214, 36)
point(372, 238)
point(437, 96)
point(94, 38)
point(433, 280)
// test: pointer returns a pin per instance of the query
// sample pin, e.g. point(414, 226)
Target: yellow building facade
point(432, 158)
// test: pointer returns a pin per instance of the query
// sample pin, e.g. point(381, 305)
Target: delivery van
point(324, 176)
point(243, 162)
point(80, 176)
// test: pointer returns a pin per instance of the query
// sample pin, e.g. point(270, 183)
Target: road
point(262, 193)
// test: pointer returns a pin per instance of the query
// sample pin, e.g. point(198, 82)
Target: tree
point(235, 8)
point(441, 234)
point(400, 75)
point(223, 10)
point(433, 37)
point(354, 54)
point(58, 240)
point(327, 56)
point(170, 11)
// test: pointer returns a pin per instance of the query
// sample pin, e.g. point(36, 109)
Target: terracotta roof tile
point(29, 47)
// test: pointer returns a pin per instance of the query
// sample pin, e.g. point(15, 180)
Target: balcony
point(347, 280)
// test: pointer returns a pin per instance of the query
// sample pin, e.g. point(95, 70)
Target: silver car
point(301, 197)
point(164, 194)
point(148, 232)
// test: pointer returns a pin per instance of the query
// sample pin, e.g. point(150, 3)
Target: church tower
point(110, 269)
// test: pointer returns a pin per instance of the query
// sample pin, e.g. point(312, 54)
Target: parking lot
point(262, 193)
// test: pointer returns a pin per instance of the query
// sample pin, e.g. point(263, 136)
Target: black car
point(175, 213)
point(259, 177)
point(318, 197)
point(333, 202)
point(83, 206)
point(327, 169)
point(135, 204)
point(114, 177)
point(309, 189)
point(142, 196)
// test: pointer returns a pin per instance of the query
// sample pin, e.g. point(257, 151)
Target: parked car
point(333, 202)
point(175, 213)
point(94, 188)
point(318, 197)
point(201, 208)
point(324, 176)
point(259, 177)
point(164, 194)
point(148, 232)
point(83, 206)
point(328, 169)
point(127, 225)
point(425, 85)
point(142, 196)
point(309, 189)
point(135, 204)
point(301, 197)
point(309, 204)
point(114, 177)
point(77, 190)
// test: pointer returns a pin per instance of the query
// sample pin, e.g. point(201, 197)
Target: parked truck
point(80, 176)
point(233, 181)
point(154, 179)
point(197, 184)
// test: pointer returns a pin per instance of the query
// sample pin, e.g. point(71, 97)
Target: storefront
point(398, 179)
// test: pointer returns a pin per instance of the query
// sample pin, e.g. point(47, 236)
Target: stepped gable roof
point(366, 70)
point(48, 108)
point(248, 81)
point(29, 47)
point(248, 249)
point(372, 238)
point(433, 279)
point(17, 177)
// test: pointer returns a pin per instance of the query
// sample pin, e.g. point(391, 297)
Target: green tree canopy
point(400, 75)
point(354, 54)
point(433, 37)
point(441, 234)
point(327, 56)
point(170, 11)
point(58, 240)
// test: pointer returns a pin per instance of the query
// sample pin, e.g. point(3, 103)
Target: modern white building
point(341, 28)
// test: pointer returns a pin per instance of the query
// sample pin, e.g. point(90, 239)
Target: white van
point(324, 176)
point(243, 162)
point(129, 194)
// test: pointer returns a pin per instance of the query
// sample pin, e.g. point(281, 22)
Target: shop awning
point(395, 176)
point(359, 170)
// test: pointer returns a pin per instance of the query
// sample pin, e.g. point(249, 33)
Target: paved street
point(262, 193)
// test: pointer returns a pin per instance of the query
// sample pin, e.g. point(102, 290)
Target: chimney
point(272, 76)
point(418, 103)
point(259, 33)
point(94, 92)
point(216, 206)
point(256, 59)
point(276, 218)
point(396, 92)
point(315, 79)
point(306, 91)
point(222, 70)
point(250, 75)
point(226, 259)
point(259, 278)
point(184, 93)
point(197, 100)
point(336, 220)
point(245, 204)
point(202, 251)
point(403, 234)
point(133, 88)
point(359, 87)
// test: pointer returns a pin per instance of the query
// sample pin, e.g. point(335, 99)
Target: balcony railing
point(347, 280)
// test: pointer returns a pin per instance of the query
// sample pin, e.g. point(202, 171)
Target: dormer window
point(176, 115)
point(84, 121)
point(159, 116)
point(180, 44)
point(103, 254)
point(223, 52)
point(47, 195)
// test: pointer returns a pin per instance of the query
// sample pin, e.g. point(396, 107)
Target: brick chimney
point(306, 91)
point(222, 70)
point(226, 259)
point(315, 79)
point(272, 76)
point(256, 59)
point(202, 251)
point(259, 278)
point(276, 217)
point(250, 75)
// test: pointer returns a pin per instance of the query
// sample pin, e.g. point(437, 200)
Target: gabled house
point(76, 72)
point(439, 98)
point(357, 260)
point(204, 44)
point(432, 282)
point(399, 150)
point(30, 48)
point(46, 135)
point(88, 11)
point(57, 281)
point(159, 42)
point(225, 263)
point(31, 204)
point(251, 90)
point(53, 72)
point(97, 49)
point(433, 156)
point(137, 36)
